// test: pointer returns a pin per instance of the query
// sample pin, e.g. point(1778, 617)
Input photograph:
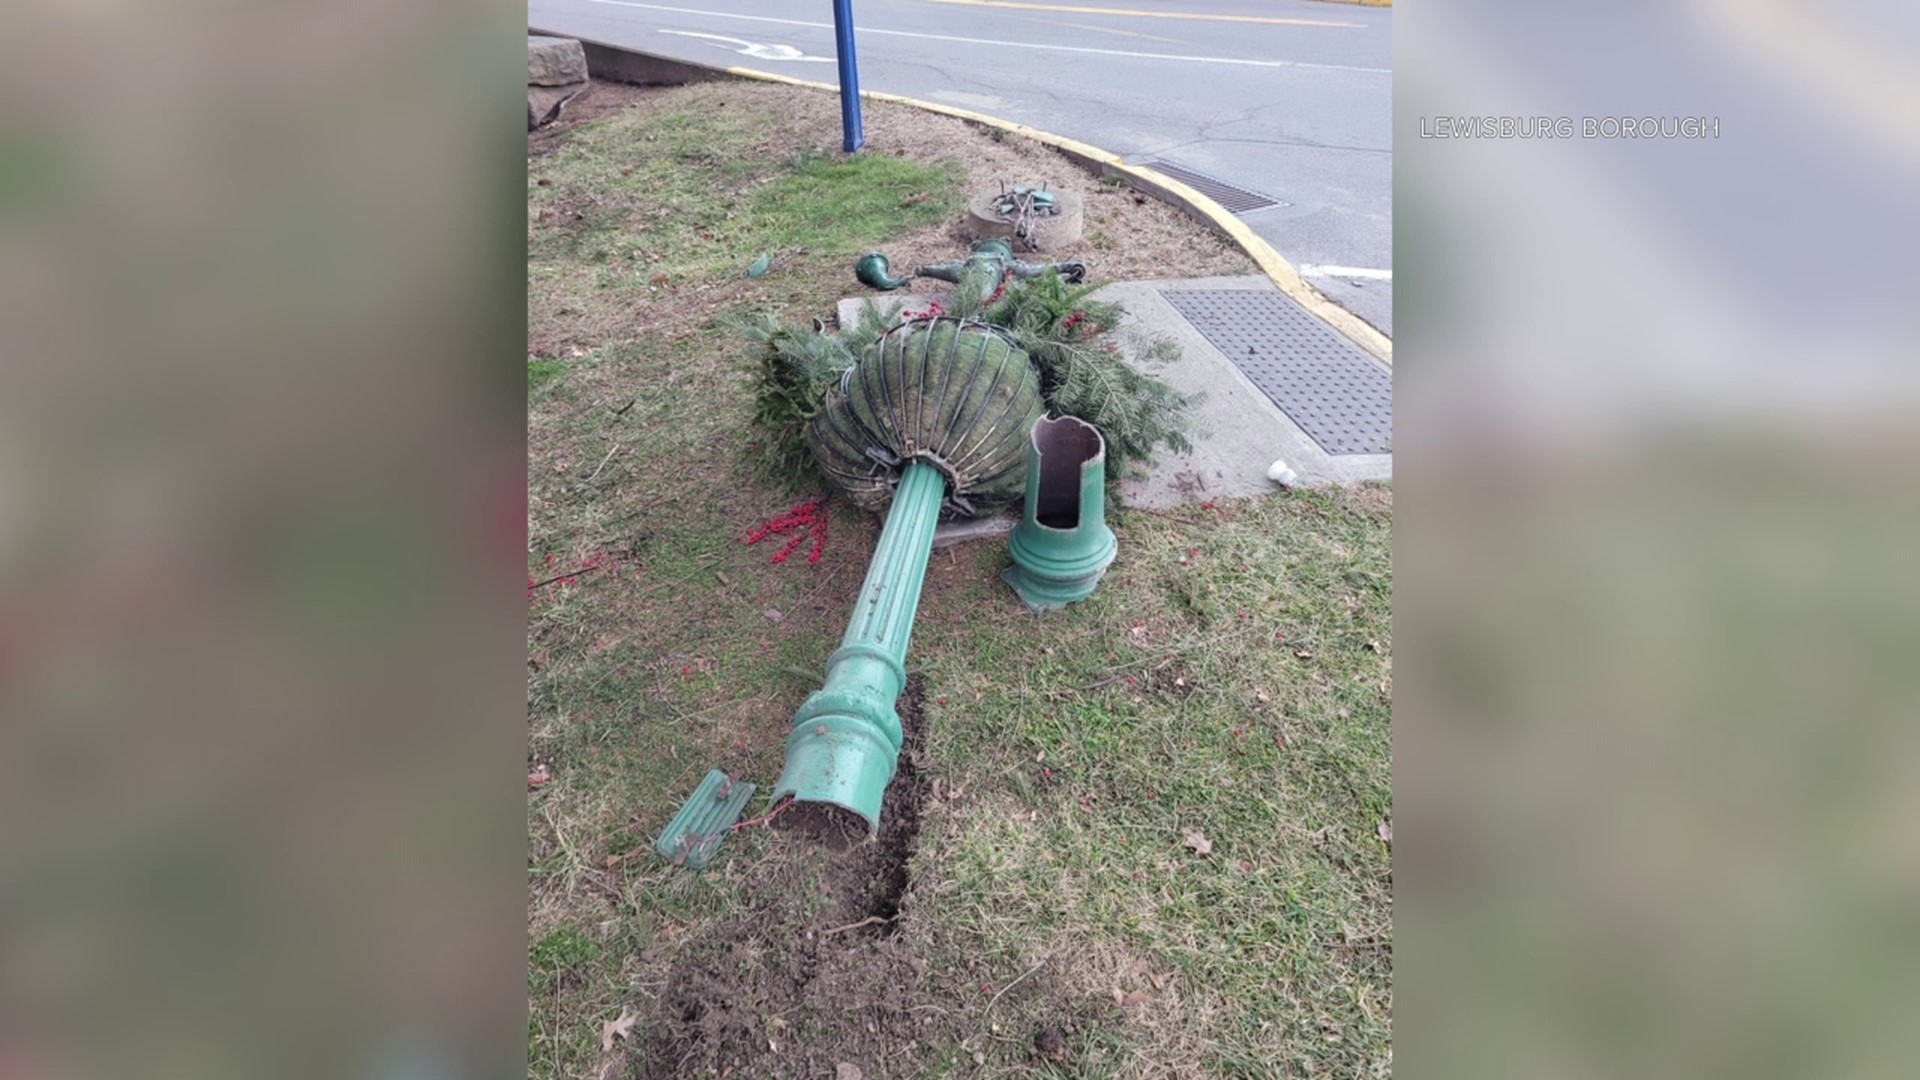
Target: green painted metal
point(846, 737)
point(1062, 546)
point(951, 392)
point(695, 833)
point(991, 260)
point(875, 272)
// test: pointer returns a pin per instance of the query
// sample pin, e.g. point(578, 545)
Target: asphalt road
point(1801, 204)
point(1290, 99)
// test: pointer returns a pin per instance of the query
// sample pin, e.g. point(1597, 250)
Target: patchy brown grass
point(1040, 911)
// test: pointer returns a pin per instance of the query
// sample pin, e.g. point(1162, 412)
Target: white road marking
point(1346, 272)
point(971, 101)
point(753, 48)
point(1007, 44)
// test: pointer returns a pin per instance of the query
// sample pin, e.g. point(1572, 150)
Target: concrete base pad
point(848, 310)
point(1239, 431)
point(949, 533)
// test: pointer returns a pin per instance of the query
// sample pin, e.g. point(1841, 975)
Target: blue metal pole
point(849, 77)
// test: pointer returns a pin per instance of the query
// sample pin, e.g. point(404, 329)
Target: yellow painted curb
point(1166, 189)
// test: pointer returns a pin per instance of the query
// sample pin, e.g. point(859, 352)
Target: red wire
point(774, 813)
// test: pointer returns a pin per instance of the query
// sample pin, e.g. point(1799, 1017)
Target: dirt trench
point(813, 971)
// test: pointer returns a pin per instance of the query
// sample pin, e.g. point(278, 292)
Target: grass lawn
point(1147, 836)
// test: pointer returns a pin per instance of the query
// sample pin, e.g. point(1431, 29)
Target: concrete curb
point(622, 64)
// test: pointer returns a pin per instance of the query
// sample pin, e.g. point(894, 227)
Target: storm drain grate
point(1338, 394)
point(1236, 200)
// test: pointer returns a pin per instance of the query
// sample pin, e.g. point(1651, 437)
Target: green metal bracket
point(1062, 546)
point(696, 832)
point(846, 738)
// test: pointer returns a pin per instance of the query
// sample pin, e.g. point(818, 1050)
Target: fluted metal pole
point(846, 737)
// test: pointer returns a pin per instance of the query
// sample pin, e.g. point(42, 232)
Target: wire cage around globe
point(954, 392)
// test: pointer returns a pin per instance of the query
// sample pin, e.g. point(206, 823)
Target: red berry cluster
point(934, 311)
point(804, 520)
point(1000, 289)
point(1087, 329)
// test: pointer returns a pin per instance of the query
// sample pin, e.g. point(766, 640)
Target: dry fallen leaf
point(1159, 981)
point(540, 774)
point(616, 1029)
point(846, 1071)
point(1386, 831)
point(1198, 841)
point(1244, 866)
point(1138, 997)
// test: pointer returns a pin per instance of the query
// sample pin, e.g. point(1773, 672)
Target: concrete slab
point(1239, 431)
point(949, 533)
point(848, 310)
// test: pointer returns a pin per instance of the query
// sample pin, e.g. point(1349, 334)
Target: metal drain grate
point(1236, 200)
point(1338, 394)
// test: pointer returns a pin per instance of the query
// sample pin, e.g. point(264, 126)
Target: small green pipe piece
point(846, 737)
point(875, 272)
point(1062, 546)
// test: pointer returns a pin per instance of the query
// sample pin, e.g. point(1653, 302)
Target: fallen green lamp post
point(935, 413)
point(935, 417)
point(846, 737)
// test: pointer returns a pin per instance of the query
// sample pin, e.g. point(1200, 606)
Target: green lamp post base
point(1062, 545)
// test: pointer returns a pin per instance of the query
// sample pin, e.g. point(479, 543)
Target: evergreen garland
point(1072, 339)
point(795, 367)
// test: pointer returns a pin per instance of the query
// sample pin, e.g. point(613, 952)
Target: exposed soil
point(600, 100)
point(1128, 235)
point(811, 971)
